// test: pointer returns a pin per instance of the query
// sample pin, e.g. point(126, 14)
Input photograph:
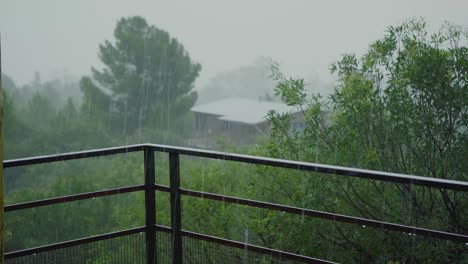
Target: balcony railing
point(168, 244)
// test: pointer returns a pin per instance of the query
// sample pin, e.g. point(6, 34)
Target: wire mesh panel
point(125, 249)
point(163, 247)
point(202, 252)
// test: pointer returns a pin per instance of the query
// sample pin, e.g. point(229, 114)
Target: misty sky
point(59, 36)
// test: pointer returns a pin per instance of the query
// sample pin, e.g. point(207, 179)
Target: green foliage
point(399, 108)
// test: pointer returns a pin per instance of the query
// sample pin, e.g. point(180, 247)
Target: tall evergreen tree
point(147, 79)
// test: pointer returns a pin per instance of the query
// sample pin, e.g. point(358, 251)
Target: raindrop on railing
point(246, 239)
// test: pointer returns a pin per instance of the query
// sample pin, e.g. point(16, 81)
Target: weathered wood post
point(2, 246)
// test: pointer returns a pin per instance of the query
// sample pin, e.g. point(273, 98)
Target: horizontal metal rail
point(331, 216)
point(253, 248)
point(315, 167)
point(279, 163)
point(75, 197)
point(71, 243)
point(296, 165)
point(230, 243)
point(161, 228)
point(73, 155)
point(162, 188)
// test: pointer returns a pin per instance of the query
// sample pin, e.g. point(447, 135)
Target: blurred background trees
point(146, 84)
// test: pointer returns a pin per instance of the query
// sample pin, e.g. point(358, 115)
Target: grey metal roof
point(242, 110)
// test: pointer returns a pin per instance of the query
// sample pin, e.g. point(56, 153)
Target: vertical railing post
point(150, 206)
point(176, 221)
point(2, 246)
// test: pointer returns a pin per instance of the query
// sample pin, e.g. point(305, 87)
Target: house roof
point(242, 110)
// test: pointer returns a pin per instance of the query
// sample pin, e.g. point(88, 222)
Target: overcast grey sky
point(305, 36)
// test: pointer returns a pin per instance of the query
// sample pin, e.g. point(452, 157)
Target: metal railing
point(175, 191)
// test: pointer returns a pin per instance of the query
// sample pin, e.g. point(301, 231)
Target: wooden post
point(2, 245)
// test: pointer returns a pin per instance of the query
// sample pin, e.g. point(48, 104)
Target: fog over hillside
point(53, 37)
